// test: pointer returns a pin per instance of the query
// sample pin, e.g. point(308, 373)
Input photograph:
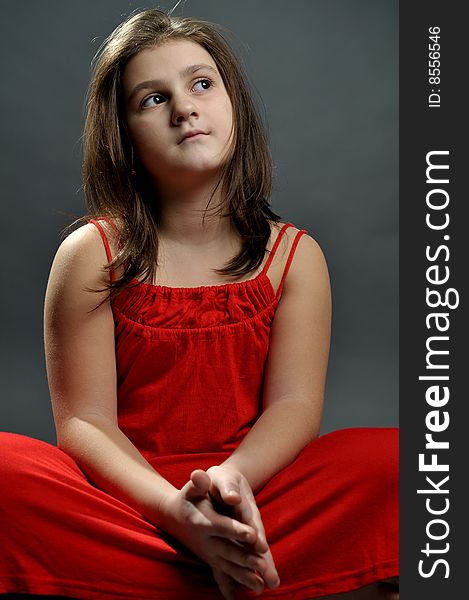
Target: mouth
point(192, 135)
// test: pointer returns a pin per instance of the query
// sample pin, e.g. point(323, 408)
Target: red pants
point(331, 519)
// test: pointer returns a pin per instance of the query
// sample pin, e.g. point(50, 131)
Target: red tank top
point(190, 360)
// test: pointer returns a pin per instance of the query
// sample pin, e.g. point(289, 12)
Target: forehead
point(164, 62)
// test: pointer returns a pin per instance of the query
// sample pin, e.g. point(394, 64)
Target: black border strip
point(433, 124)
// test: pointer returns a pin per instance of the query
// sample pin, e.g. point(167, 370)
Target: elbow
point(71, 435)
point(314, 431)
point(313, 418)
point(75, 433)
point(309, 417)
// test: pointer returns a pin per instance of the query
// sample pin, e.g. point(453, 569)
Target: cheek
point(225, 118)
point(143, 136)
point(133, 132)
point(229, 113)
point(230, 125)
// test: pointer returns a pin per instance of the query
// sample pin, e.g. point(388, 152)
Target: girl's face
point(170, 91)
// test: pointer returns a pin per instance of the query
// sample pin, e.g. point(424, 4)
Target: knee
point(380, 460)
point(372, 453)
point(17, 443)
point(14, 449)
point(19, 454)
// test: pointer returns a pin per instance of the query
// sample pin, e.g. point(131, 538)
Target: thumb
point(230, 493)
point(224, 488)
point(200, 485)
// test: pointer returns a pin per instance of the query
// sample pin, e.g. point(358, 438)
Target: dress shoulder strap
point(107, 246)
point(290, 255)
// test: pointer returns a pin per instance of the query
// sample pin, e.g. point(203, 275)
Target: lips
point(191, 134)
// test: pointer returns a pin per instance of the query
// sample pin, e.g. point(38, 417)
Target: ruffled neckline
point(158, 306)
point(234, 285)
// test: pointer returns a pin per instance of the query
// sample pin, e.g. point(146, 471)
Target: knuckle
point(197, 522)
point(224, 528)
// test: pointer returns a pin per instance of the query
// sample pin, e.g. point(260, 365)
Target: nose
point(183, 108)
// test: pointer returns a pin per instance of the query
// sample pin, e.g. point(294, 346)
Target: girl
point(187, 337)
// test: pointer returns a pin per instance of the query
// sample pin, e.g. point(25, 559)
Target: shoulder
point(84, 244)
point(79, 264)
point(97, 243)
point(307, 252)
point(308, 268)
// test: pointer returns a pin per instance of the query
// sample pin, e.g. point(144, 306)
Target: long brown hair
point(116, 187)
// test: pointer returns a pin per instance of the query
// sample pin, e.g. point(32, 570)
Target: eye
point(205, 82)
point(149, 101)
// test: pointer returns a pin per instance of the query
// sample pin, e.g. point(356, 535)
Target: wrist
point(232, 464)
point(163, 509)
point(224, 465)
point(245, 469)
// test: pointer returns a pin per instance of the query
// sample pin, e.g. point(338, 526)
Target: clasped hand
point(215, 515)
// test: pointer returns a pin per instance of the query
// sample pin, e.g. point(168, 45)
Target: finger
point(246, 556)
point(239, 554)
point(201, 480)
point(253, 518)
point(229, 492)
point(260, 545)
point(226, 527)
point(224, 491)
point(226, 584)
point(198, 485)
point(242, 575)
point(247, 509)
point(247, 512)
point(268, 571)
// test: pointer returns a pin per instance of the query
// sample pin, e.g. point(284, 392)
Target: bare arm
point(295, 371)
point(293, 395)
point(81, 370)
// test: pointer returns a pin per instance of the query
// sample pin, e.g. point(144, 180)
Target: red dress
point(190, 364)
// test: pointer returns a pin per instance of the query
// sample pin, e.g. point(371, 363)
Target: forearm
point(275, 440)
point(114, 464)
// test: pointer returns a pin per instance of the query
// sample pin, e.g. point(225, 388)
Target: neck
point(181, 210)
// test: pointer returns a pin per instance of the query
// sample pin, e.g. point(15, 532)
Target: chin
point(205, 167)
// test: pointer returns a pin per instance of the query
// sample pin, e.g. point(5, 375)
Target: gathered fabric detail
point(195, 308)
point(165, 312)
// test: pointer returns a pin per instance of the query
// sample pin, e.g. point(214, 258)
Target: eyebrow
point(153, 83)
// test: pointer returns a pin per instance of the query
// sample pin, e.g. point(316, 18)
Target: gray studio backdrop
point(327, 75)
